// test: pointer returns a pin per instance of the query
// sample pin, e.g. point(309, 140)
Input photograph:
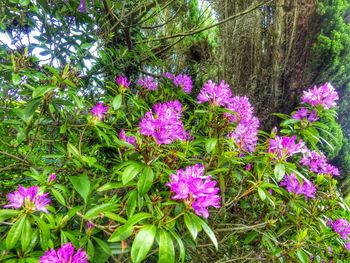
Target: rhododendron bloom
point(148, 83)
point(303, 113)
point(347, 246)
point(122, 81)
point(341, 226)
point(82, 6)
point(215, 94)
point(128, 139)
point(285, 146)
point(164, 123)
point(99, 110)
point(293, 185)
point(196, 189)
point(317, 162)
point(325, 96)
point(184, 81)
point(65, 254)
point(52, 178)
point(28, 198)
point(245, 134)
point(168, 75)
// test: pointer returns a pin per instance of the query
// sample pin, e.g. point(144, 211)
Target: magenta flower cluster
point(317, 163)
point(28, 198)
point(99, 110)
point(195, 189)
point(148, 83)
point(129, 139)
point(218, 95)
point(164, 123)
point(245, 134)
point(65, 254)
point(292, 184)
point(122, 81)
point(285, 146)
point(324, 96)
point(303, 114)
point(342, 227)
point(184, 82)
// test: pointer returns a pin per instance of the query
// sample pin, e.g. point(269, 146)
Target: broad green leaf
point(145, 180)
point(250, 237)
point(15, 233)
point(131, 203)
point(44, 232)
point(8, 213)
point(109, 186)
point(262, 194)
point(72, 150)
point(41, 91)
point(131, 171)
point(99, 209)
point(143, 243)
point(302, 256)
point(181, 246)
point(209, 232)
point(26, 235)
point(126, 230)
point(191, 226)
point(81, 184)
point(279, 171)
point(210, 144)
point(59, 197)
point(102, 244)
point(16, 79)
point(166, 247)
point(117, 101)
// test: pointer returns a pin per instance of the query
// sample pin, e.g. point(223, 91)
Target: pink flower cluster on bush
point(28, 198)
point(342, 227)
point(65, 254)
point(164, 123)
point(293, 185)
point(285, 146)
point(324, 96)
point(196, 189)
point(317, 163)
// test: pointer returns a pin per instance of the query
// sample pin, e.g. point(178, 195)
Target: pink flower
point(82, 6)
point(293, 185)
point(324, 96)
point(168, 75)
point(99, 110)
point(65, 254)
point(184, 81)
point(122, 81)
point(129, 139)
point(303, 113)
point(341, 226)
point(317, 163)
point(193, 187)
point(28, 198)
point(285, 146)
point(148, 83)
point(89, 225)
point(52, 178)
point(164, 123)
point(215, 94)
point(347, 246)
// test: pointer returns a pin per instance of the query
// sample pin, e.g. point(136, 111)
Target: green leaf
point(261, 194)
point(81, 184)
point(59, 197)
point(44, 232)
point(166, 248)
point(41, 91)
point(131, 203)
point(191, 226)
point(99, 209)
point(30, 109)
point(279, 171)
point(126, 230)
point(210, 144)
point(16, 79)
point(24, 2)
point(131, 171)
point(180, 244)
point(109, 186)
point(102, 244)
point(209, 232)
point(72, 150)
point(15, 233)
point(302, 256)
point(8, 213)
point(145, 180)
point(143, 243)
point(250, 237)
point(26, 235)
point(117, 102)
